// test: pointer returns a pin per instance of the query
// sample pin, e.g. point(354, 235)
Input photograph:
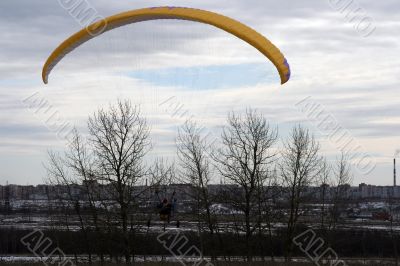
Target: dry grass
point(178, 264)
point(259, 263)
point(168, 264)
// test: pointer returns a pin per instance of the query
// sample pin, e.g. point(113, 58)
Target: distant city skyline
point(42, 192)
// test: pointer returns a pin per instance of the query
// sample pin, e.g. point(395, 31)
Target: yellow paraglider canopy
point(227, 24)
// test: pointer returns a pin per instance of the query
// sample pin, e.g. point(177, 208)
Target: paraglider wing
point(227, 24)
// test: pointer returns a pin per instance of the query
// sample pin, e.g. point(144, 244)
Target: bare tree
point(119, 138)
point(80, 161)
point(193, 154)
point(111, 158)
point(341, 183)
point(60, 176)
point(324, 182)
point(268, 211)
point(244, 160)
point(299, 167)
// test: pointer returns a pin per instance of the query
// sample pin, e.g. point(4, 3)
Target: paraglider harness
point(166, 208)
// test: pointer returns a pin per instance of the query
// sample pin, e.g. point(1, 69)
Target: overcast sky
point(344, 56)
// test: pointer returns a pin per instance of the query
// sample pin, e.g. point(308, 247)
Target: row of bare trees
point(248, 159)
point(255, 169)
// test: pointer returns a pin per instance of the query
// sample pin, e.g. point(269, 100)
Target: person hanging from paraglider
point(167, 208)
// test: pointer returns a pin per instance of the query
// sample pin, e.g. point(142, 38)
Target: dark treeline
point(360, 244)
